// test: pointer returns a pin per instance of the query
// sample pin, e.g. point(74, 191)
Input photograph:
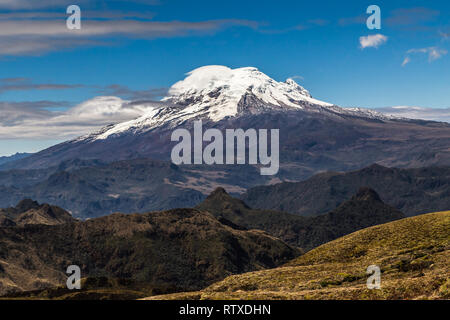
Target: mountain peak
point(218, 191)
point(220, 89)
point(219, 201)
point(366, 194)
point(26, 204)
point(219, 194)
point(29, 212)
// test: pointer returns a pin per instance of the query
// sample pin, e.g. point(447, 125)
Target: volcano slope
point(413, 254)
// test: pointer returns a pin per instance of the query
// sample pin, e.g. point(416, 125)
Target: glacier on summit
point(220, 89)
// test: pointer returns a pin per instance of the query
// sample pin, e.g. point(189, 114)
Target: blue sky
point(136, 49)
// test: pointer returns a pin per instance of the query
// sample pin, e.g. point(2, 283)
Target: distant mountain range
point(363, 210)
point(92, 188)
point(412, 191)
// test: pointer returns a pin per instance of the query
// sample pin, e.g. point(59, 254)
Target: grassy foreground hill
point(413, 254)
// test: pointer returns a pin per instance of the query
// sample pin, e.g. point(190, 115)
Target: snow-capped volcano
point(217, 92)
point(214, 93)
point(314, 135)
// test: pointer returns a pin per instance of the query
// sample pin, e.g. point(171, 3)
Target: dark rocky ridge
point(177, 250)
point(363, 210)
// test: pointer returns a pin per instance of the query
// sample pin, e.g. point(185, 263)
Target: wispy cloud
point(352, 20)
point(40, 4)
point(31, 34)
point(297, 77)
point(309, 24)
point(402, 17)
point(61, 120)
point(97, 28)
point(26, 120)
point(444, 35)
point(87, 14)
point(435, 114)
point(24, 84)
point(15, 112)
point(433, 53)
point(406, 61)
point(318, 22)
point(411, 16)
point(372, 41)
point(127, 93)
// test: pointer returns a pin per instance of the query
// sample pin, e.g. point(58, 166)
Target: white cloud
point(33, 120)
point(372, 41)
point(412, 112)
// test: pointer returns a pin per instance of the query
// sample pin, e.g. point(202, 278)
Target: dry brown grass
point(412, 253)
